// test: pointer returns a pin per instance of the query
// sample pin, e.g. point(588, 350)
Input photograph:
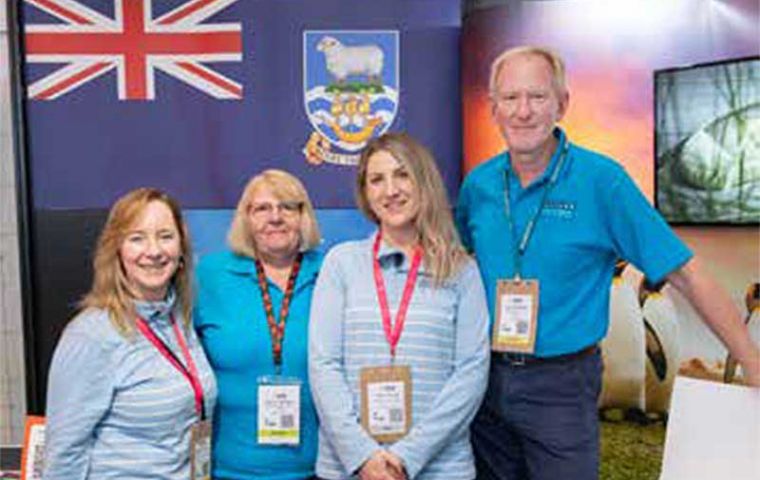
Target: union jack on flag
point(134, 43)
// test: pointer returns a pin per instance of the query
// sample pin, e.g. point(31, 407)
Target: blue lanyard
point(528, 233)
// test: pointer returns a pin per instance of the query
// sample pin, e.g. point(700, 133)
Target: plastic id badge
point(514, 329)
point(279, 411)
point(200, 451)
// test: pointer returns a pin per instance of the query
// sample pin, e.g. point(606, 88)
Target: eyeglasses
point(286, 209)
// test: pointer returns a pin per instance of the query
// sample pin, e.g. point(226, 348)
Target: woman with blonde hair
point(130, 391)
point(398, 344)
point(252, 317)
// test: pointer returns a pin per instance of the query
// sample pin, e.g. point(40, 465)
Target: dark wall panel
point(63, 243)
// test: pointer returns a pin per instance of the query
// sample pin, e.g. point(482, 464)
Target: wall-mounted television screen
point(707, 143)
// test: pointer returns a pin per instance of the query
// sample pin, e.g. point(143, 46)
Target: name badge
point(279, 411)
point(200, 451)
point(514, 328)
point(386, 402)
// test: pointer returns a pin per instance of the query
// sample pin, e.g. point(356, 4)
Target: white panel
point(3, 7)
point(12, 389)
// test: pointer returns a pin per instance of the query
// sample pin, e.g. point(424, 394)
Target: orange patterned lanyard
point(277, 329)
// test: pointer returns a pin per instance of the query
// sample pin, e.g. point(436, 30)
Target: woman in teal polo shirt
point(251, 316)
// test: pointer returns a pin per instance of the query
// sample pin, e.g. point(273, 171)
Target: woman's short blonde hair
point(286, 188)
point(110, 289)
point(443, 251)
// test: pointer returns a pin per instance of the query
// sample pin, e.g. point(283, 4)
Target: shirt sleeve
point(339, 419)
point(639, 233)
point(459, 400)
point(79, 394)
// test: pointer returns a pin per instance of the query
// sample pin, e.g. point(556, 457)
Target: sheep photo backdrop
point(707, 142)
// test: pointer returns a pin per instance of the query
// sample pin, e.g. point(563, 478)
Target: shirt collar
point(243, 265)
point(156, 311)
point(391, 256)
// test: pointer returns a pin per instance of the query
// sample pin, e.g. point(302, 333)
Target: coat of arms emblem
point(351, 91)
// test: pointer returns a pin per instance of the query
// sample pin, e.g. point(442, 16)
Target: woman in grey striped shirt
point(398, 343)
point(129, 384)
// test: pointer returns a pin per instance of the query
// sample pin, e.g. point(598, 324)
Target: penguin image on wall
point(623, 349)
point(662, 348)
point(752, 320)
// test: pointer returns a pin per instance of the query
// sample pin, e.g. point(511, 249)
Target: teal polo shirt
point(593, 215)
point(231, 324)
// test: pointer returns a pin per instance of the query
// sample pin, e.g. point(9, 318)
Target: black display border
point(23, 201)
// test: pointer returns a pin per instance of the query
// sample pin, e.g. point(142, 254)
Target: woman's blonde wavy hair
point(444, 254)
point(110, 289)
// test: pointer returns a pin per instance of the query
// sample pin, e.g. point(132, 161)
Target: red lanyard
point(277, 329)
point(394, 334)
point(189, 371)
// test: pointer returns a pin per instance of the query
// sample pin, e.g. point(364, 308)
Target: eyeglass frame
point(284, 208)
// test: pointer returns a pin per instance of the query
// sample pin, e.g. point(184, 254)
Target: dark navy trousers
point(539, 421)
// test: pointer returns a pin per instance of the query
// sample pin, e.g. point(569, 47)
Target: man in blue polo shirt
point(546, 221)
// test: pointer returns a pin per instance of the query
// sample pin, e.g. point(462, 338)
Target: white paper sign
point(279, 414)
point(713, 432)
point(516, 315)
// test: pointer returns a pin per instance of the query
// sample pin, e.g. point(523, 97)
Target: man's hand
point(382, 466)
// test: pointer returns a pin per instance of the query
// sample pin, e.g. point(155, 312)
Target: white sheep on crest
point(342, 60)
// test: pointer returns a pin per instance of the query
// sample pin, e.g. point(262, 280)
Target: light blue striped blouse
point(116, 408)
point(445, 341)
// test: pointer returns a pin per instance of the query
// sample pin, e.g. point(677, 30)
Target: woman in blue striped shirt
point(130, 390)
point(398, 343)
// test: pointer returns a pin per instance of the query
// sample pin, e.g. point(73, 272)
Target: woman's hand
point(382, 465)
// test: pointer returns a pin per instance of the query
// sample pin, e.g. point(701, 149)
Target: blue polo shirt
point(593, 215)
point(231, 324)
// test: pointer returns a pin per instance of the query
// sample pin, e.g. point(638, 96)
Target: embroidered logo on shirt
point(559, 209)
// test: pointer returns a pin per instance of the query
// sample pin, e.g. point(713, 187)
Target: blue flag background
point(88, 147)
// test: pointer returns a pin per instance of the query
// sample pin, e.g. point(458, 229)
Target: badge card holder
point(279, 398)
point(279, 416)
point(516, 309)
point(386, 391)
point(200, 432)
point(200, 450)
point(386, 402)
point(514, 329)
